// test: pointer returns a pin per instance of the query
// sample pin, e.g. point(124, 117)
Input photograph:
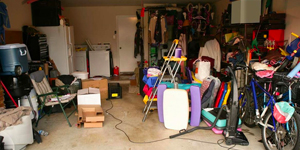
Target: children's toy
point(209, 115)
point(223, 95)
point(227, 94)
point(231, 134)
point(217, 131)
point(195, 106)
point(219, 96)
point(160, 96)
point(294, 46)
point(176, 109)
point(172, 71)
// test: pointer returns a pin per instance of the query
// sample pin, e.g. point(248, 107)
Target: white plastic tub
point(18, 136)
point(81, 75)
point(25, 102)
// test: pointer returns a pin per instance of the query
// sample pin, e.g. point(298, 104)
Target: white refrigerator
point(61, 46)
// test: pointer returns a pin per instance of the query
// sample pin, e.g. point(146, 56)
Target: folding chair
point(45, 93)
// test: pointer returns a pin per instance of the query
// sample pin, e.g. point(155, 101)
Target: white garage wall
point(97, 24)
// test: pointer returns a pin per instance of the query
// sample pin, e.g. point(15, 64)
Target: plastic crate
point(114, 91)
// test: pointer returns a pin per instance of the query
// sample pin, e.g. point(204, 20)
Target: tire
point(247, 111)
point(283, 65)
point(291, 140)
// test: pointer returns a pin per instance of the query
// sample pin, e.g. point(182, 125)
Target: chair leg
point(75, 105)
point(40, 116)
point(62, 108)
point(50, 111)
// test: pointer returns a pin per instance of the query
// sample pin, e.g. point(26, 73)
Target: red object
point(191, 63)
point(116, 71)
point(208, 59)
point(220, 93)
point(277, 93)
point(60, 17)
point(278, 116)
point(31, 1)
point(273, 34)
point(88, 66)
point(143, 12)
point(12, 99)
point(62, 8)
point(148, 91)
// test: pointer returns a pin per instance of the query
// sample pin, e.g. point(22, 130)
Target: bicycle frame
point(271, 103)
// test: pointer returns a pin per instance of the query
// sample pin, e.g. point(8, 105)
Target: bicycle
point(274, 134)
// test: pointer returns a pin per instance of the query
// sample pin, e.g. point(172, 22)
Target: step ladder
point(172, 71)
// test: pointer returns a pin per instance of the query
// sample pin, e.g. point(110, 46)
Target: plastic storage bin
point(114, 91)
point(81, 75)
point(13, 59)
point(18, 136)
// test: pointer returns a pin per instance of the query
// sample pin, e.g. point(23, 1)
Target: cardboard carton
point(133, 82)
point(93, 125)
point(90, 113)
point(88, 96)
point(102, 85)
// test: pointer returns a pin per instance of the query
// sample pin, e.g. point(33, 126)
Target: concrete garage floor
point(129, 110)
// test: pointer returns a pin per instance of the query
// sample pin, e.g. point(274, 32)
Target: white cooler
point(18, 136)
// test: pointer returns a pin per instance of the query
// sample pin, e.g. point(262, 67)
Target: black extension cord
point(219, 142)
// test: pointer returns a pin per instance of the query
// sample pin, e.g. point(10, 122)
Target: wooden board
point(13, 37)
point(176, 109)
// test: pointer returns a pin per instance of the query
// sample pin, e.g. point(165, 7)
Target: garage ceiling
point(74, 3)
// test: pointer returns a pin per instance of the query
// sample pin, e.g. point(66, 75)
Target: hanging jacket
point(4, 20)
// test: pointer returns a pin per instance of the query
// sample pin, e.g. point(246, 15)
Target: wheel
point(283, 65)
point(247, 111)
point(286, 136)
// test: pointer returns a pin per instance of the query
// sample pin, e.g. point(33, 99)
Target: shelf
point(176, 59)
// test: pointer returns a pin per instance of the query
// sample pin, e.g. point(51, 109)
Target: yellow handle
point(176, 41)
point(283, 52)
point(294, 34)
point(195, 79)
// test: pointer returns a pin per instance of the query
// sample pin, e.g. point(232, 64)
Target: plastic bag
point(283, 112)
point(203, 70)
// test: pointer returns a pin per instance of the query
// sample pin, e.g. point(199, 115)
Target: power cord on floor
point(116, 126)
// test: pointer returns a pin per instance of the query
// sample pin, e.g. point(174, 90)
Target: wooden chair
point(45, 93)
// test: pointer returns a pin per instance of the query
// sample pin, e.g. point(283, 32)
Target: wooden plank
point(54, 66)
point(96, 118)
point(13, 37)
point(93, 125)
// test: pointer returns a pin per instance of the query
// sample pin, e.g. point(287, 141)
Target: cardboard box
point(133, 82)
point(102, 85)
point(93, 125)
point(90, 113)
point(88, 96)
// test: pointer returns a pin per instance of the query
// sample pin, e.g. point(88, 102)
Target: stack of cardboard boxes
point(101, 84)
point(90, 113)
point(2, 105)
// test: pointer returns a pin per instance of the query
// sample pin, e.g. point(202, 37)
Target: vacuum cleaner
point(231, 134)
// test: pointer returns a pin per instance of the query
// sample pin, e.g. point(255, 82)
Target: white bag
point(203, 70)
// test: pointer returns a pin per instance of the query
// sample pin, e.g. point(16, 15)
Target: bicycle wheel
point(287, 135)
point(247, 111)
point(283, 65)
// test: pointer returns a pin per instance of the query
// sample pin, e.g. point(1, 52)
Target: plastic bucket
point(25, 102)
point(81, 75)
